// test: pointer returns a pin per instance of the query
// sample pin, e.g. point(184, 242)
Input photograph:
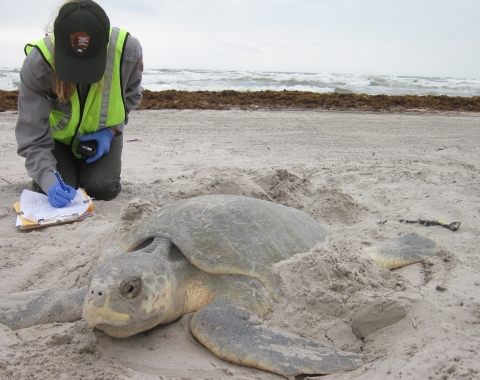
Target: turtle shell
point(231, 234)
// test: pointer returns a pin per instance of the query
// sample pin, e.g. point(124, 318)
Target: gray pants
point(100, 179)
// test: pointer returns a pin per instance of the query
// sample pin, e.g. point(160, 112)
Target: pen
point(57, 174)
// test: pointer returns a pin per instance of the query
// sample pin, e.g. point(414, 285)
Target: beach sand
point(357, 173)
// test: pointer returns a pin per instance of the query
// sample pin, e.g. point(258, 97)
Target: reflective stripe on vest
point(103, 108)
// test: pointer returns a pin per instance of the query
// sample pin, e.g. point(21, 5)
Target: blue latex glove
point(59, 197)
point(103, 137)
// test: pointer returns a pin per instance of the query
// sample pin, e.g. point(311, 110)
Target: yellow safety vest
point(103, 108)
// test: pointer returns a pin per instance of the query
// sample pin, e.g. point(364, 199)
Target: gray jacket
point(34, 139)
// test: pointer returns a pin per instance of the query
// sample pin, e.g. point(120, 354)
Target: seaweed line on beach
point(281, 100)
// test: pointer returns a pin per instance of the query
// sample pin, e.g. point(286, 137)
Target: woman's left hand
point(103, 137)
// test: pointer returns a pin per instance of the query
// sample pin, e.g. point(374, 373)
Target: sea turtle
point(212, 255)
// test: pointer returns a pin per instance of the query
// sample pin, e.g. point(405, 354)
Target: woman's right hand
point(60, 198)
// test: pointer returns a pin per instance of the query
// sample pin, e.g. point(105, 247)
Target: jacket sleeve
point(34, 139)
point(132, 67)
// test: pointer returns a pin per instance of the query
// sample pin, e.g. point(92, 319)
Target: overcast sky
point(393, 37)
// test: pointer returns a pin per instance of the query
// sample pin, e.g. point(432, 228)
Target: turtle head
point(129, 294)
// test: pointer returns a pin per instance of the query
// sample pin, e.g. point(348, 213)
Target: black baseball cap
point(82, 31)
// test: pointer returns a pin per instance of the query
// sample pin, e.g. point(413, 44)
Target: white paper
point(35, 206)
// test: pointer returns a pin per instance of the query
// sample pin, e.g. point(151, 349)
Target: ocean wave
point(209, 80)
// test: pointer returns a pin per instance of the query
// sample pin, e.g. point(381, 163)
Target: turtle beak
point(113, 323)
point(103, 315)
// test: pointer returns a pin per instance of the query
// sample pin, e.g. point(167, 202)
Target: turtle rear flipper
point(236, 335)
point(404, 250)
point(26, 309)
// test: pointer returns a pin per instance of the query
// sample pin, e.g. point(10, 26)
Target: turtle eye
point(130, 287)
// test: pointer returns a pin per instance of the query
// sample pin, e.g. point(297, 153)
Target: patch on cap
point(80, 42)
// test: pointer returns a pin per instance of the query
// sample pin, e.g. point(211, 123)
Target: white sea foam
point(9, 79)
point(206, 80)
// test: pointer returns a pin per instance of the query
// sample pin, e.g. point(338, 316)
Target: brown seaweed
point(279, 100)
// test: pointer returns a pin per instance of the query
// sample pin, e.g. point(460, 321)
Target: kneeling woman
point(76, 90)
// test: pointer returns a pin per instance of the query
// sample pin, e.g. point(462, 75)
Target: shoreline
point(288, 100)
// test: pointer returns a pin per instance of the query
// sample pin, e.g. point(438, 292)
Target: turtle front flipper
point(26, 309)
point(237, 335)
point(404, 250)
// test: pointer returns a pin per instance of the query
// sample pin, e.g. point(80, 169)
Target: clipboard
point(24, 223)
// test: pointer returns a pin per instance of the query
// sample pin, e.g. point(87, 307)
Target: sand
point(356, 173)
